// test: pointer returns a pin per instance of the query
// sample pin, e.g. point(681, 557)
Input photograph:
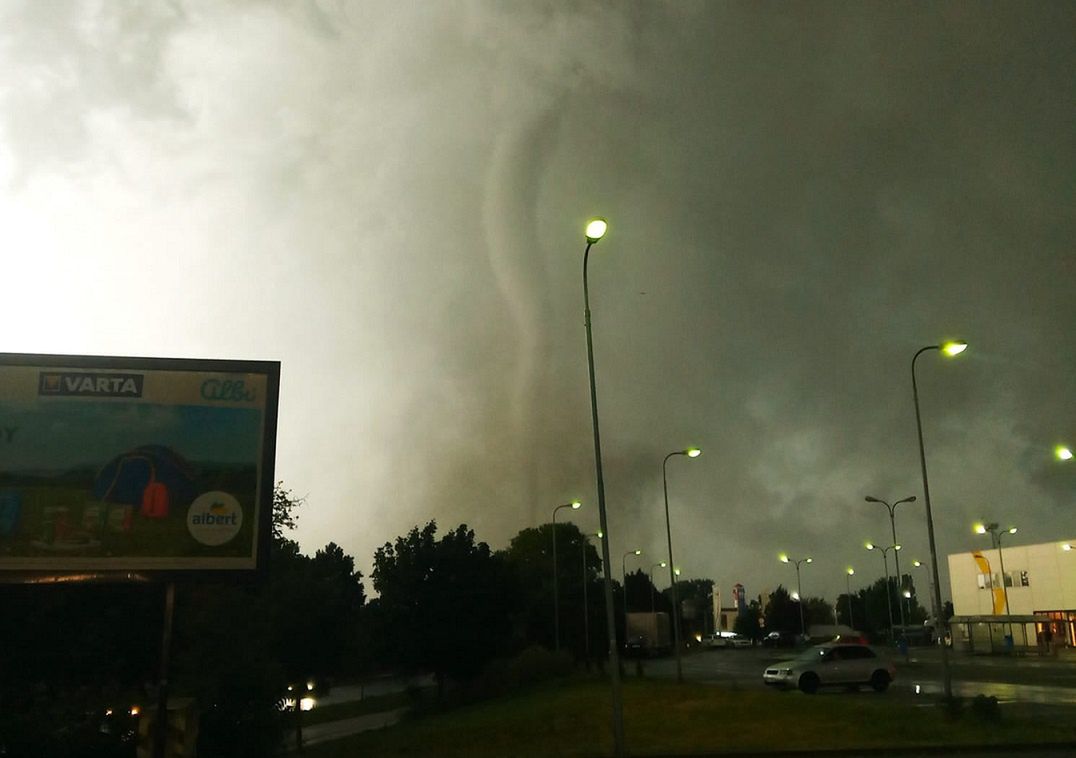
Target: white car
point(832, 664)
point(727, 639)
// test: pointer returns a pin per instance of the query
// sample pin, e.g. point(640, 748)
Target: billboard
point(134, 468)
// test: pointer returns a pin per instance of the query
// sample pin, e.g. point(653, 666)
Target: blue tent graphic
point(124, 479)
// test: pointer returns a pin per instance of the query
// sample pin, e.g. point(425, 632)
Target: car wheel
point(809, 683)
point(880, 681)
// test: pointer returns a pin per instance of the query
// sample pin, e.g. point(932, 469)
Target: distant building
point(1040, 581)
point(725, 615)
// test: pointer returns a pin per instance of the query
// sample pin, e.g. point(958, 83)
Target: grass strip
point(571, 718)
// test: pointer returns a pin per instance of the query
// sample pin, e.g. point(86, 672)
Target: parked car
point(727, 639)
point(779, 639)
point(833, 664)
point(713, 640)
point(636, 647)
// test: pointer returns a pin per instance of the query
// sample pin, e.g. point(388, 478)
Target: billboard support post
point(160, 731)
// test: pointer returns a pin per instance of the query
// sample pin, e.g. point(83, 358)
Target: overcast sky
point(389, 199)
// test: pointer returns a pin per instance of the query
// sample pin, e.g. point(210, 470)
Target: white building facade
point(1038, 580)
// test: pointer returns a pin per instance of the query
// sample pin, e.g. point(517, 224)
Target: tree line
point(446, 604)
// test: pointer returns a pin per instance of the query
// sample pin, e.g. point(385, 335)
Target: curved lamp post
point(691, 452)
point(996, 534)
point(624, 575)
point(574, 505)
point(896, 556)
point(624, 579)
point(663, 564)
point(586, 605)
point(848, 586)
point(595, 230)
point(933, 608)
point(799, 589)
point(950, 349)
point(888, 597)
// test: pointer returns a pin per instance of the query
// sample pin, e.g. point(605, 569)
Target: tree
point(782, 613)
point(529, 556)
point(817, 610)
point(238, 646)
point(695, 605)
point(641, 594)
point(445, 604)
point(285, 505)
point(749, 621)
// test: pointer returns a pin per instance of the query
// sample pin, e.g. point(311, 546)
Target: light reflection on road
point(1005, 693)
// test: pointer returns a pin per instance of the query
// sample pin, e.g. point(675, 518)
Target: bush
point(953, 707)
point(986, 708)
point(536, 664)
point(533, 665)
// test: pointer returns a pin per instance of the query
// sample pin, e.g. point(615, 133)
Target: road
point(346, 693)
point(1050, 681)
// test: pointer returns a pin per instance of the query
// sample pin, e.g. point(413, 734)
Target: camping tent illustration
point(151, 477)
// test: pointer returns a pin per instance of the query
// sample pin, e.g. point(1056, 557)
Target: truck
point(647, 634)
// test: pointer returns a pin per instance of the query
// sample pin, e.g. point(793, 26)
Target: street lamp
point(574, 505)
point(586, 605)
point(933, 608)
point(1063, 453)
point(950, 349)
point(799, 589)
point(663, 564)
point(848, 586)
point(995, 537)
point(888, 597)
point(595, 230)
point(624, 574)
point(893, 527)
point(691, 452)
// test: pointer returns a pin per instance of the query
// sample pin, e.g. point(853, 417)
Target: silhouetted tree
point(817, 610)
point(749, 621)
point(529, 556)
point(446, 603)
point(782, 613)
point(238, 646)
point(69, 651)
point(695, 596)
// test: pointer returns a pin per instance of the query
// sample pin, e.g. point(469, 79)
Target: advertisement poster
point(113, 467)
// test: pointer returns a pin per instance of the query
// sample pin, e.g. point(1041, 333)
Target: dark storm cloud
point(389, 198)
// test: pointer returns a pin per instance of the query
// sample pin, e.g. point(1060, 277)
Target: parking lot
point(1028, 679)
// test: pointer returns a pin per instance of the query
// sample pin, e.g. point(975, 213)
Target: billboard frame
point(266, 479)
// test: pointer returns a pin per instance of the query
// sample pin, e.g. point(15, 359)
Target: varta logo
point(85, 383)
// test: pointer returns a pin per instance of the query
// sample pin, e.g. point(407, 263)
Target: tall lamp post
point(663, 564)
point(586, 604)
point(888, 597)
point(995, 536)
point(799, 588)
point(574, 505)
point(691, 452)
point(933, 608)
point(896, 556)
point(624, 577)
point(950, 349)
point(848, 585)
point(595, 230)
